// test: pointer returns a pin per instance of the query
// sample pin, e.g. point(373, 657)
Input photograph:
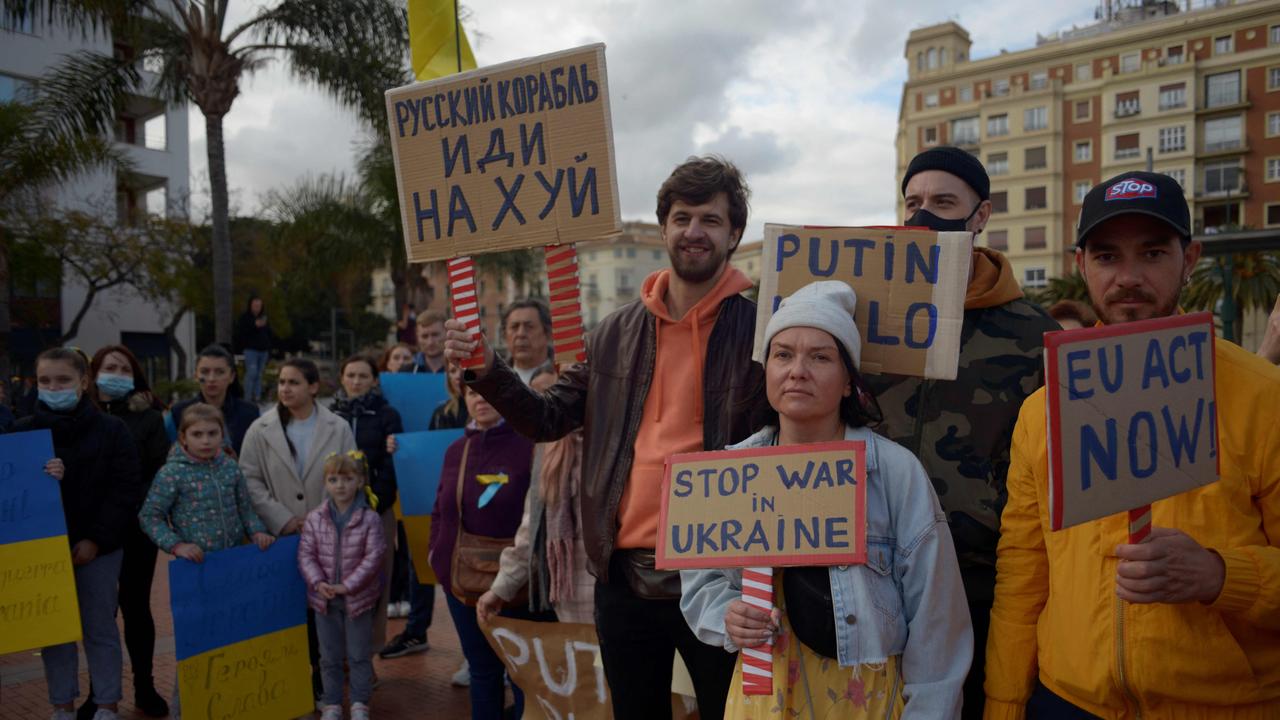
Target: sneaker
point(60, 714)
point(401, 646)
point(402, 608)
point(105, 714)
point(359, 711)
point(462, 678)
point(332, 712)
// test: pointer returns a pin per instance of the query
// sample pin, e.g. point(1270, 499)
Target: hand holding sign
point(1170, 567)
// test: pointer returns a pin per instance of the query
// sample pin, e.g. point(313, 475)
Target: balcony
point(1128, 153)
point(965, 140)
point(1128, 109)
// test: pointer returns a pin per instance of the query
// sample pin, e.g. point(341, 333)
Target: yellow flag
point(433, 39)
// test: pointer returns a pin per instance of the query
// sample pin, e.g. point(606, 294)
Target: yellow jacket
point(1056, 613)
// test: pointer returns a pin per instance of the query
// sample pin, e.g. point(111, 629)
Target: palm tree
point(1071, 287)
point(1255, 282)
point(353, 49)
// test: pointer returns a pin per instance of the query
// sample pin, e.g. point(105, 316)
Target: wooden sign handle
point(466, 304)
point(757, 662)
point(1139, 524)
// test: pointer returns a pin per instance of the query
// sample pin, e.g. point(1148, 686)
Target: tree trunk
point(5, 321)
point(171, 336)
point(222, 280)
point(91, 293)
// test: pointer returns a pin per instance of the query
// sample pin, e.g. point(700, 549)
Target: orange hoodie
point(992, 283)
point(672, 421)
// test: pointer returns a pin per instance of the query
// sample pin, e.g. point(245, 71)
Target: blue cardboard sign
point(415, 396)
point(30, 500)
point(419, 458)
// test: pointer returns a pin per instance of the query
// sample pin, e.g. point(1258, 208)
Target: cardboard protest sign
point(240, 633)
point(1131, 415)
point(418, 461)
point(415, 396)
point(772, 506)
point(556, 665)
point(910, 285)
point(516, 155)
point(38, 604)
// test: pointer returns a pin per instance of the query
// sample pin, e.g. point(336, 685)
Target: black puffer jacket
point(102, 488)
point(372, 419)
point(146, 424)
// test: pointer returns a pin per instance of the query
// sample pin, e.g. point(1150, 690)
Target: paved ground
point(414, 686)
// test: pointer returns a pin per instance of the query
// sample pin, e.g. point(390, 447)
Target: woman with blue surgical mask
point(121, 389)
point(96, 467)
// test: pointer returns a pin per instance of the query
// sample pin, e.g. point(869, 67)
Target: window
point(1173, 96)
point(1222, 176)
point(1218, 218)
point(1173, 56)
point(631, 252)
point(1084, 109)
point(1000, 87)
point(1084, 150)
point(964, 131)
point(1223, 133)
point(1273, 124)
point(1035, 198)
point(997, 125)
point(931, 135)
point(1222, 89)
point(998, 239)
point(1036, 118)
point(1082, 189)
point(1127, 146)
point(1130, 62)
point(919, 61)
point(1039, 79)
point(1127, 104)
point(1000, 201)
point(1084, 71)
point(931, 100)
point(153, 133)
point(1274, 35)
point(1273, 169)
point(931, 58)
point(966, 94)
point(998, 164)
point(1273, 212)
point(1034, 278)
point(157, 200)
point(1034, 238)
point(24, 26)
point(1222, 45)
point(1034, 159)
point(1179, 175)
point(13, 88)
point(617, 252)
point(1173, 139)
point(1273, 78)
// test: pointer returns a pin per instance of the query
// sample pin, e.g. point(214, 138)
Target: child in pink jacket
point(340, 555)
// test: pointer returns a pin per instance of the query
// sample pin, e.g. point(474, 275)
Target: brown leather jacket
point(605, 396)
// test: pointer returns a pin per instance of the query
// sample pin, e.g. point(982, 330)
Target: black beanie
point(951, 160)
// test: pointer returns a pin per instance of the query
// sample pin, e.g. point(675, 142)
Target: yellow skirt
point(808, 686)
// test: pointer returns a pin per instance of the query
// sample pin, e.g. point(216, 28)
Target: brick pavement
point(414, 686)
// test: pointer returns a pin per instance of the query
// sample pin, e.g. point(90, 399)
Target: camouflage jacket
point(961, 429)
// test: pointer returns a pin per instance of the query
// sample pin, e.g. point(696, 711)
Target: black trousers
point(1045, 705)
point(979, 586)
point(638, 642)
point(137, 570)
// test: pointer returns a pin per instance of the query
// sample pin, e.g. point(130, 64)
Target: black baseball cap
point(1138, 192)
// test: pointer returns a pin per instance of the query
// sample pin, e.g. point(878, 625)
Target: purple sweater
point(496, 451)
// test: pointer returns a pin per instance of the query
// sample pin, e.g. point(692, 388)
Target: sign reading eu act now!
point(910, 285)
point(772, 506)
point(508, 156)
point(1131, 415)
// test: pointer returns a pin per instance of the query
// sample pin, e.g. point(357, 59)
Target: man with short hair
point(1186, 624)
point(526, 331)
point(666, 374)
point(430, 355)
point(961, 429)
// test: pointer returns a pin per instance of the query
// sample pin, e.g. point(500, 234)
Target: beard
point(1111, 314)
point(697, 270)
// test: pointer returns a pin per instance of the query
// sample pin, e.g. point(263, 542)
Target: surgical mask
point(59, 400)
point(115, 386)
point(924, 218)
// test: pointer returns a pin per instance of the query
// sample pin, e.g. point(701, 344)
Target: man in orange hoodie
point(961, 429)
point(669, 373)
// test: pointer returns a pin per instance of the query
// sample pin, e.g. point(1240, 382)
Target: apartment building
point(1189, 90)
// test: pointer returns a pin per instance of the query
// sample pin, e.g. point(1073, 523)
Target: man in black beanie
point(961, 429)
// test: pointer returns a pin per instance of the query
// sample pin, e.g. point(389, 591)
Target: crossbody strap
point(462, 474)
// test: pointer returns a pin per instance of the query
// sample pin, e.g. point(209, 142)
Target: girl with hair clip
point(283, 461)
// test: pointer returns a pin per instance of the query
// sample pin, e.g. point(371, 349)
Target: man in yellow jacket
point(1187, 624)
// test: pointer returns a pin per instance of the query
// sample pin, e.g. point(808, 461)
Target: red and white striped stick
point(466, 305)
point(566, 306)
point(757, 662)
point(1139, 524)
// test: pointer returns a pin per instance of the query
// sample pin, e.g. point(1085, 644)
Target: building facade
point(154, 138)
point(1189, 91)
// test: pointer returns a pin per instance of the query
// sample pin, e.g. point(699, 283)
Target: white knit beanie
point(827, 305)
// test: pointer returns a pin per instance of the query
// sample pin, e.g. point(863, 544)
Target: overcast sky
point(802, 94)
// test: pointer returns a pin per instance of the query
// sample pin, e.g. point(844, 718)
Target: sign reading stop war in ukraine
point(509, 156)
point(1131, 415)
point(910, 286)
point(556, 665)
point(240, 633)
point(772, 506)
point(38, 605)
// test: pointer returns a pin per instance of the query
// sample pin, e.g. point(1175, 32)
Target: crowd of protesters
point(967, 606)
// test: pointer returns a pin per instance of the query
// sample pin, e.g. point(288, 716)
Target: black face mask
point(924, 218)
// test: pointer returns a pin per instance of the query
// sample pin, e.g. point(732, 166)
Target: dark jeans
point(422, 604)
point(488, 674)
point(638, 642)
point(980, 587)
point(1045, 705)
point(400, 567)
point(137, 570)
point(313, 653)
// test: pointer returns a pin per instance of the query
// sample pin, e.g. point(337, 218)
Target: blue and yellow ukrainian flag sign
point(38, 605)
point(240, 634)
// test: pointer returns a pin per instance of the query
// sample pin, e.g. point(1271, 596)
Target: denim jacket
point(907, 600)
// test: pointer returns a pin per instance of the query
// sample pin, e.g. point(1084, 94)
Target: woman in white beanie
point(888, 639)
